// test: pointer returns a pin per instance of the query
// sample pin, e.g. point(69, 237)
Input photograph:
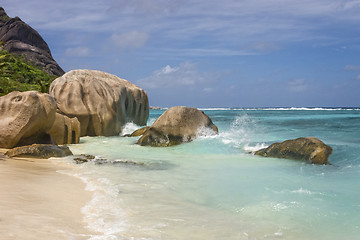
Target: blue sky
point(244, 53)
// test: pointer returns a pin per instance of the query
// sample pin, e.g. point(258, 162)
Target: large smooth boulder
point(65, 130)
point(39, 151)
point(308, 149)
point(25, 118)
point(19, 38)
point(176, 125)
point(102, 102)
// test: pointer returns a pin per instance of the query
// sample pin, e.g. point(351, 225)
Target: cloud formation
point(297, 85)
point(351, 67)
point(248, 39)
point(77, 52)
point(146, 6)
point(264, 46)
point(193, 28)
point(228, 21)
point(184, 75)
point(133, 39)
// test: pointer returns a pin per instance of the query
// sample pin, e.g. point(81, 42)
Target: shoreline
point(38, 202)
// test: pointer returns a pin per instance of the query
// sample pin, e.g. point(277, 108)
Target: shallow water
point(212, 188)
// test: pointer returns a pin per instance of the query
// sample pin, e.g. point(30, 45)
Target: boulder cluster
point(94, 103)
point(80, 103)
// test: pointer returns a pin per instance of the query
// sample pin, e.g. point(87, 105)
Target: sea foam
point(129, 128)
point(103, 214)
point(255, 148)
point(240, 132)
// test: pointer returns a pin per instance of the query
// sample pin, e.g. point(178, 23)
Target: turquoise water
point(212, 188)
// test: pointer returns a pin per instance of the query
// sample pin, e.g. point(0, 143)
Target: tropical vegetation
point(18, 74)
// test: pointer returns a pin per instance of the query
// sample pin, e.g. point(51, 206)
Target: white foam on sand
point(102, 214)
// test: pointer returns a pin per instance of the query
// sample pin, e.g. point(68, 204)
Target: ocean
point(214, 188)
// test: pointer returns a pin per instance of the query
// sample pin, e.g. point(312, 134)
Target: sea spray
point(240, 131)
point(252, 149)
point(205, 132)
point(129, 128)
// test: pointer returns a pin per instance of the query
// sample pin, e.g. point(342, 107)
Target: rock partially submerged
point(102, 102)
point(175, 126)
point(39, 151)
point(84, 158)
point(307, 149)
point(25, 118)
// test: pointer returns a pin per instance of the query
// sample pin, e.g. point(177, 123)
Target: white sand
point(36, 202)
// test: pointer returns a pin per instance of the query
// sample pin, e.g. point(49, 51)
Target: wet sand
point(37, 202)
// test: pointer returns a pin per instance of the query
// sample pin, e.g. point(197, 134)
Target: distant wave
point(158, 108)
point(215, 109)
point(284, 109)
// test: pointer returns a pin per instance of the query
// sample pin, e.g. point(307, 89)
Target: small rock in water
point(129, 162)
point(83, 158)
point(157, 165)
point(308, 149)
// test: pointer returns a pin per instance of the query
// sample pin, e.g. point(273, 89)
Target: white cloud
point(184, 75)
point(264, 46)
point(219, 25)
point(205, 52)
point(351, 67)
point(247, 18)
point(297, 85)
point(351, 4)
point(133, 39)
point(77, 52)
point(208, 90)
point(82, 15)
point(146, 6)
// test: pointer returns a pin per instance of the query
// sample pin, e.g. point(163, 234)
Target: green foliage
point(5, 18)
point(17, 74)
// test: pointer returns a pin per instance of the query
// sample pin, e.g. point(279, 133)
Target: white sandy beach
point(37, 202)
